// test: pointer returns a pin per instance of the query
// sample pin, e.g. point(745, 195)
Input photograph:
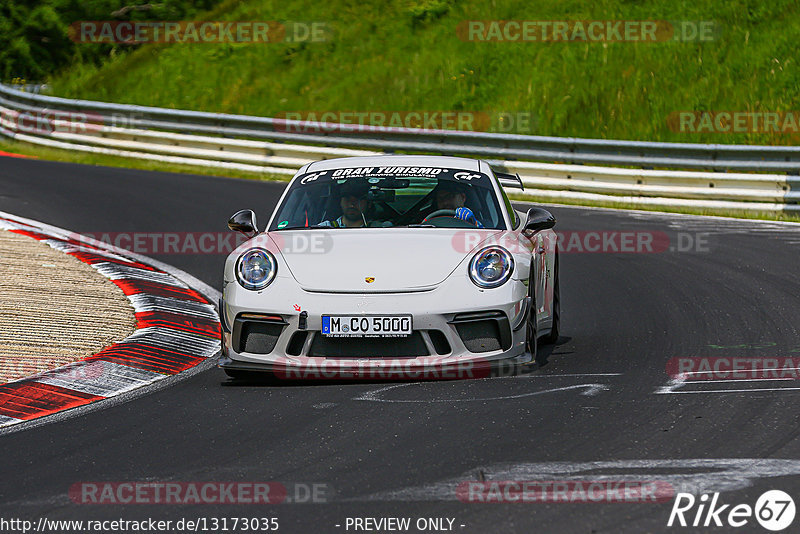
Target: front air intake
point(257, 334)
point(483, 331)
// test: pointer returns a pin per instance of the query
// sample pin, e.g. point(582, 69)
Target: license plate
point(366, 325)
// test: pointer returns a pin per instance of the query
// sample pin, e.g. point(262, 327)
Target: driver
point(451, 196)
point(354, 204)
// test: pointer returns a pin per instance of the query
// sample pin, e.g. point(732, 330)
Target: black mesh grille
point(480, 336)
point(259, 338)
point(368, 347)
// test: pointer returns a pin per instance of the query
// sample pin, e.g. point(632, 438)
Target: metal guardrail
point(281, 146)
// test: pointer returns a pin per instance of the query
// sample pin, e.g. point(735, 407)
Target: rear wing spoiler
point(509, 180)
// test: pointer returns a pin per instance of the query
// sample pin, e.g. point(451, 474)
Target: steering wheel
point(446, 213)
point(439, 213)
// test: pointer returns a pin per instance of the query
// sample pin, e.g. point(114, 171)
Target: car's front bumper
point(312, 356)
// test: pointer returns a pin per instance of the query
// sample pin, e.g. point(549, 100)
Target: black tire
point(552, 337)
point(531, 330)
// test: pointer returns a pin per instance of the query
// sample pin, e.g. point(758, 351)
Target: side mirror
point(539, 219)
point(244, 221)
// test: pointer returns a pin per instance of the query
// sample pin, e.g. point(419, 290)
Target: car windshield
point(390, 197)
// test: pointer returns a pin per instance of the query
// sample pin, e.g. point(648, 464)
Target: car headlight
point(255, 269)
point(491, 267)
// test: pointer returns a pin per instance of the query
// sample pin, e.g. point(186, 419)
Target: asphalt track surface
point(624, 317)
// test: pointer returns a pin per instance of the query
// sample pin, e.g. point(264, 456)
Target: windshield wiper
point(421, 226)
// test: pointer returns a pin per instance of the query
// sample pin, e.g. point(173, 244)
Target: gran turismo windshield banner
point(375, 174)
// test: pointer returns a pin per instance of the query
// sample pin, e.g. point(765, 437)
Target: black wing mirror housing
point(539, 219)
point(244, 221)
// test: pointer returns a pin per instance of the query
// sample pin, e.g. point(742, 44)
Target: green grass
point(406, 55)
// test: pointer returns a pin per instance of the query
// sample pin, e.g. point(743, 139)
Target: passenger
point(354, 204)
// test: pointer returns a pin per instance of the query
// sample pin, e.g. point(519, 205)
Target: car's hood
point(394, 259)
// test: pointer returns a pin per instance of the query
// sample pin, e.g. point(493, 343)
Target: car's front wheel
point(531, 330)
point(552, 337)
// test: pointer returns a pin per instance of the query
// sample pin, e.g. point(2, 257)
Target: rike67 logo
point(774, 510)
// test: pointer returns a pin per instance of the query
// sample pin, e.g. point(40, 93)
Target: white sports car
point(391, 267)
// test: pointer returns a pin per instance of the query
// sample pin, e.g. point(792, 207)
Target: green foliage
point(423, 11)
point(35, 36)
point(408, 55)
